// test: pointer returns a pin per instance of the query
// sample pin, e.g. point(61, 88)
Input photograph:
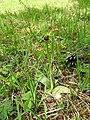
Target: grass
point(36, 81)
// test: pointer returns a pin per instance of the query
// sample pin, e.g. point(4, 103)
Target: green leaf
point(27, 105)
point(58, 90)
point(3, 115)
point(26, 96)
point(5, 108)
point(45, 81)
point(1, 85)
point(61, 89)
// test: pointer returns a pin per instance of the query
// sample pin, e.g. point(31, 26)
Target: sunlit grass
point(15, 6)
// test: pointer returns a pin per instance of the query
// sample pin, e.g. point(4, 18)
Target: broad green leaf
point(58, 90)
point(5, 108)
point(27, 105)
point(1, 85)
point(61, 89)
point(4, 72)
point(45, 81)
point(6, 104)
point(26, 96)
point(3, 115)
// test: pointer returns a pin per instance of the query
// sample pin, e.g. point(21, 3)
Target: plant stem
point(50, 66)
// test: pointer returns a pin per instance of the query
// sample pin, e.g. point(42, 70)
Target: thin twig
point(49, 112)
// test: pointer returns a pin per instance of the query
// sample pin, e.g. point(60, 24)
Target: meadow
point(44, 60)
